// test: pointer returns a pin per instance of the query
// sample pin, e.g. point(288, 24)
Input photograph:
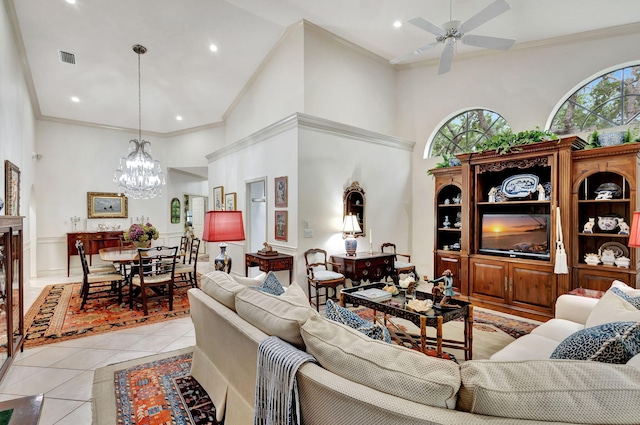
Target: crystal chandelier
point(139, 176)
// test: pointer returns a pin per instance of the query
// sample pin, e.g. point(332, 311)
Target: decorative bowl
point(623, 262)
point(612, 189)
point(592, 259)
point(607, 223)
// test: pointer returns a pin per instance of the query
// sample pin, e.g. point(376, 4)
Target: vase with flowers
point(141, 234)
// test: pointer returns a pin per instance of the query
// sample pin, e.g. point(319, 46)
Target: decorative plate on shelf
point(520, 185)
point(619, 250)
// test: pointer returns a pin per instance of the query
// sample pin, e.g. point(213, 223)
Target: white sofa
point(362, 381)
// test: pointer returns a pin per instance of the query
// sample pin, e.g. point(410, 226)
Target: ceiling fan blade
point(496, 8)
point(496, 43)
point(413, 53)
point(427, 26)
point(447, 56)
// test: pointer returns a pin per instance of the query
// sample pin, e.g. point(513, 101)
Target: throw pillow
point(250, 281)
point(221, 287)
point(634, 301)
point(625, 288)
point(339, 314)
point(608, 343)
point(612, 308)
point(270, 285)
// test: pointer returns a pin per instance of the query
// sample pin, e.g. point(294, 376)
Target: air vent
point(67, 57)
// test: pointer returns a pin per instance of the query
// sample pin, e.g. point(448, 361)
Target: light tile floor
point(64, 371)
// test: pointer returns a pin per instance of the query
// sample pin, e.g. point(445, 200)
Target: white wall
point(347, 84)
point(276, 90)
point(17, 138)
point(523, 85)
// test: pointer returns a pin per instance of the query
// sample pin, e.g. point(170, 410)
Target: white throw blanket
point(276, 400)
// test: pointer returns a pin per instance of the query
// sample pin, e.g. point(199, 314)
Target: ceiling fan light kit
point(452, 31)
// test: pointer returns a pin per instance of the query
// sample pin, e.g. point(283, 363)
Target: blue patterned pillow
point(270, 285)
point(614, 342)
point(634, 301)
point(347, 317)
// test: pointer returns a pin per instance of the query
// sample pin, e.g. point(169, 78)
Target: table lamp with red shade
point(634, 234)
point(223, 226)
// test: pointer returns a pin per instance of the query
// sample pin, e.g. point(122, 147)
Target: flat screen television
point(515, 235)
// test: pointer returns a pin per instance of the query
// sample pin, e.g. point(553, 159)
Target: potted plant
point(508, 141)
point(141, 234)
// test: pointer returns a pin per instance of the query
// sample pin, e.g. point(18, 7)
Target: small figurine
point(492, 194)
point(446, 223)
point(447, 201)
point(588, 226)
point(444, 286)
point(541, 195)
point(604, 194)
point(624, 227)
point(457, 199)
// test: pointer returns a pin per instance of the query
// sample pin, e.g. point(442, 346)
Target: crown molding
point(308, 122)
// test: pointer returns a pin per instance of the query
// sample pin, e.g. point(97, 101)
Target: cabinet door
point(451, 262)
point(532, 286)
point(488, 279)
point(600, 278)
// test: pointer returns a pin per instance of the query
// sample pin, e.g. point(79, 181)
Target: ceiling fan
point(453, 31)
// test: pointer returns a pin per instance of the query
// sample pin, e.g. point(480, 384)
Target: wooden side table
point(365, 266)
point(269, 263)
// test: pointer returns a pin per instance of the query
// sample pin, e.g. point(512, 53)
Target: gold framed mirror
point(355, 203)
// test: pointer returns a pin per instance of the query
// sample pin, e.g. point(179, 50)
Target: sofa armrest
point(574, 308)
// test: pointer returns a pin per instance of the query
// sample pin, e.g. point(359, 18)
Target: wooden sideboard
point(365, 266)
point(92, 241)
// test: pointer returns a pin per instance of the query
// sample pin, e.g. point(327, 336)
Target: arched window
point(611, 100)
point(464, 131)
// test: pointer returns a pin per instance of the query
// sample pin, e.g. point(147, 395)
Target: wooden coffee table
point(433, 318)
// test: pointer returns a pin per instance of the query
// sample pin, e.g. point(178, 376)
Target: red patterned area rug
point(56, 315)
point(151, 391)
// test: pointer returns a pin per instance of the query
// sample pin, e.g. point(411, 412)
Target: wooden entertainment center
point(495, 269)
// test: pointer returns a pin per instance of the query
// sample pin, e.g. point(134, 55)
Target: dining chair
point(186, 271)
point(97, 283)
point(401, 267)
point(156, 272)
point(321, 274)
point(96, 268)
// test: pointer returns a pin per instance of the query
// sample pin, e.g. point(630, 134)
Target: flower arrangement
point(139, 232)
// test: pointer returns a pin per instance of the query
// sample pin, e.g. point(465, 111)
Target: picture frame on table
point(11, 188)
point(107, 205)
point(230, 201)
point(281, 226)
point(281, 190)
point(218, 198)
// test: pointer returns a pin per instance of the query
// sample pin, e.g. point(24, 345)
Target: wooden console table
point(365, 266)
point(92, 241)
point(269, 263)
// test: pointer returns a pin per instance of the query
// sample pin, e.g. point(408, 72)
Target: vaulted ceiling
point(181, 76)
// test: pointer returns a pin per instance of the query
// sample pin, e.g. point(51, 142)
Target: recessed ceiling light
point(71, 1)
point(75, 99)
point(397, 24)
point(213, 47)
point(179, 118)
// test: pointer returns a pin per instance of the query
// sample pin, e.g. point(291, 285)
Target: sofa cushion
point(551, 390)
point(270, 285)
point(221, 287)
point(347, 317)
point(615, 342)
point(527, 347)
point(612, 308)
point(389, 368)
point(279, 316)
point(633, 300)
point(250, 281)
point(557, 329)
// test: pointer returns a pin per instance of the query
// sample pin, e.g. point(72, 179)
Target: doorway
point(256, 217)
point(197, 206)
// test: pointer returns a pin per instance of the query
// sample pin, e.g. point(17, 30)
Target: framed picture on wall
point(107, 205)
point(281, 192)
point(11, 188)
point(281, 225)
point(218, 198)
point(230, 201)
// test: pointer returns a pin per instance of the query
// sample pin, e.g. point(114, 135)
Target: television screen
point(525, 235)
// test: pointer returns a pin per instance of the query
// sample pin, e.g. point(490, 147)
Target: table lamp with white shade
point(349, 228)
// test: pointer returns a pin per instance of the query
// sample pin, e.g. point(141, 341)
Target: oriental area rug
point(151, 390)
point(56, 315)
